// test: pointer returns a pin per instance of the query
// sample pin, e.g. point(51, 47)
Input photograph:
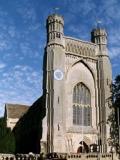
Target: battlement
point(55, 18)
point(99, 32)
point(80, 47)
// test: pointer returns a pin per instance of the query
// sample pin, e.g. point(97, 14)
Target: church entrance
point(83, 148)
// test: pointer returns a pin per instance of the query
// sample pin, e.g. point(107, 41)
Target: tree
point(115, 114)
point(7, 140)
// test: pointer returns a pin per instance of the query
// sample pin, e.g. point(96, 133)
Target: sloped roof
point(15, 110)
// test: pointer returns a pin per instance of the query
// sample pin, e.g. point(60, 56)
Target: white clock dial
point(58, 74)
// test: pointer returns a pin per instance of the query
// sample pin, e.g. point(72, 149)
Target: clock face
point(58, 74)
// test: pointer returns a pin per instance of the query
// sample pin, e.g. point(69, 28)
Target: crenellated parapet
point(79, 47)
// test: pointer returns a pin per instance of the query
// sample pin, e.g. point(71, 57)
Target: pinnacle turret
point(99, 37)
point(55, 24)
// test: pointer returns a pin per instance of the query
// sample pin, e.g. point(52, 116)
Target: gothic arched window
point(81, 105)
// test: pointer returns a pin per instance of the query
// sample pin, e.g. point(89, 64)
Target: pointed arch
point(89, 68)
point(80, 71)
point(81, 105)
point(77, 89)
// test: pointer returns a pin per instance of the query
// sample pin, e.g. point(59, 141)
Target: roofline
point(6, 104)
point(76, 39)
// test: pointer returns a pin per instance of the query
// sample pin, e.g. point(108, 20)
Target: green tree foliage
point(116, 92)
point(7, 140)
point(114, 117)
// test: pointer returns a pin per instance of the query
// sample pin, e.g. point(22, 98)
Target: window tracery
point(81, 105)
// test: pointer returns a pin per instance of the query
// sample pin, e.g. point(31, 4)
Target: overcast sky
point(23, 37)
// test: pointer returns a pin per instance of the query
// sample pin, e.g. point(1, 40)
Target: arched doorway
point(83, 148)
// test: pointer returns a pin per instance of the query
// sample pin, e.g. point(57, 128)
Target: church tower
point(53, 82)
point(76, 90)
point(99, 37)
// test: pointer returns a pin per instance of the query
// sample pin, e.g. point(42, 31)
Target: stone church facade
point(76, 88)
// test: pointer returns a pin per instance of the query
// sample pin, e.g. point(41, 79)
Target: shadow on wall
point(28, 130)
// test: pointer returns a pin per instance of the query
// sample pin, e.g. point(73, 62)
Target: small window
point(58, 35)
